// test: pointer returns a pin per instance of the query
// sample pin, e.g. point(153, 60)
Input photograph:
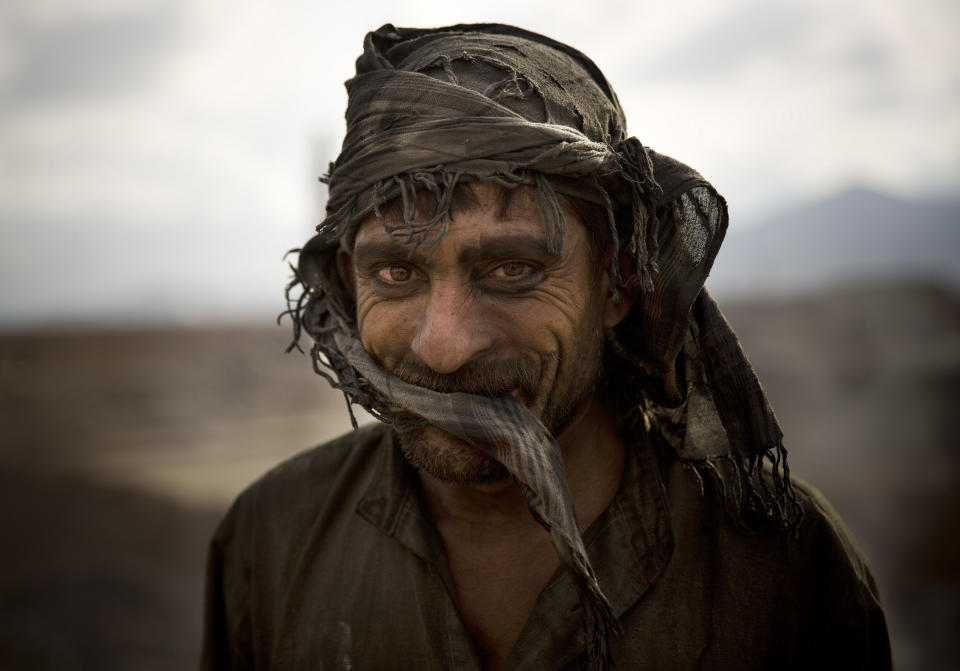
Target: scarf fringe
point(644, 245)
point(754, 497)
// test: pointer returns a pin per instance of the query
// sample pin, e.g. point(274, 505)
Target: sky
point(158, 157)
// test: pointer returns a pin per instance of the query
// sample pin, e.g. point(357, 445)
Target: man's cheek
point(366, 301)
point(385, 337)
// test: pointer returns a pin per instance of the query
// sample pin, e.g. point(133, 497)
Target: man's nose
point(451, 331)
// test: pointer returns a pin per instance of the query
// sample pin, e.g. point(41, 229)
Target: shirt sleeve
point(847, 627)
point(227, 641)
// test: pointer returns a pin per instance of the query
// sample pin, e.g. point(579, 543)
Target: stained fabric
point(331, 561)
point(429, 109)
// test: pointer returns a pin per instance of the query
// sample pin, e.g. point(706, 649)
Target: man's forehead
point(507, 202)
point(498, 210)
point(472, 227)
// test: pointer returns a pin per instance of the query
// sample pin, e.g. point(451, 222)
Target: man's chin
point(448, 458)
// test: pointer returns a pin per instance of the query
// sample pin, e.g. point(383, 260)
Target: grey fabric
point(430, 108)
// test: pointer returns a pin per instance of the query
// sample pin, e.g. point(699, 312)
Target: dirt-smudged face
point(488, 311)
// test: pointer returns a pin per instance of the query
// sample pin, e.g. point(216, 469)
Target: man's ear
point(615, 309)
point(345, 271)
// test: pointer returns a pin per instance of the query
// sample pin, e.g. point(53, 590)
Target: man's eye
point(394, 274)
point(512, 270)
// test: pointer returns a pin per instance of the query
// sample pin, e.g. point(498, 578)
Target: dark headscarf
point(431, 108)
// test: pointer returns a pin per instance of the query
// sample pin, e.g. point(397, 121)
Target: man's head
point(488, 309)
point(434, 114)
point(433, 111)
point(441, 121)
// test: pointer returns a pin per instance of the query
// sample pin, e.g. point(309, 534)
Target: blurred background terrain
point(122, 448)
point(157, 158)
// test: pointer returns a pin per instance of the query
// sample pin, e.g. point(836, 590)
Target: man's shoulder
point(810, 587)
point(299, 489)
point(320, 466)
point(821, 550)
point(825, 536)
point(821, 543)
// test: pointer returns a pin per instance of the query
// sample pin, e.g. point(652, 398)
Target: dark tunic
point(331, 561)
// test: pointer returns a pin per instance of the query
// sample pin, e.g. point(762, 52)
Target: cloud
point(867, 55)
point(746, 33)
point(86, 56)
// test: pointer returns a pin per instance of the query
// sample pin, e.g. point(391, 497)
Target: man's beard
point(555, 400)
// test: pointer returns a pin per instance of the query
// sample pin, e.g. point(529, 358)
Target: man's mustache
point(483, 377)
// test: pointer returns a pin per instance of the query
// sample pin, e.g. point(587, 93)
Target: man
point(576, 467)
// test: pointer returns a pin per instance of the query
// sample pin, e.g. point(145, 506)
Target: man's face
point(488, 311)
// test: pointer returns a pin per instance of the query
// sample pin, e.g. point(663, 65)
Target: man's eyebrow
point(370, 252)
point(504, 246)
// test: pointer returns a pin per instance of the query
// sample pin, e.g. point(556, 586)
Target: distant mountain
point(857, 235)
